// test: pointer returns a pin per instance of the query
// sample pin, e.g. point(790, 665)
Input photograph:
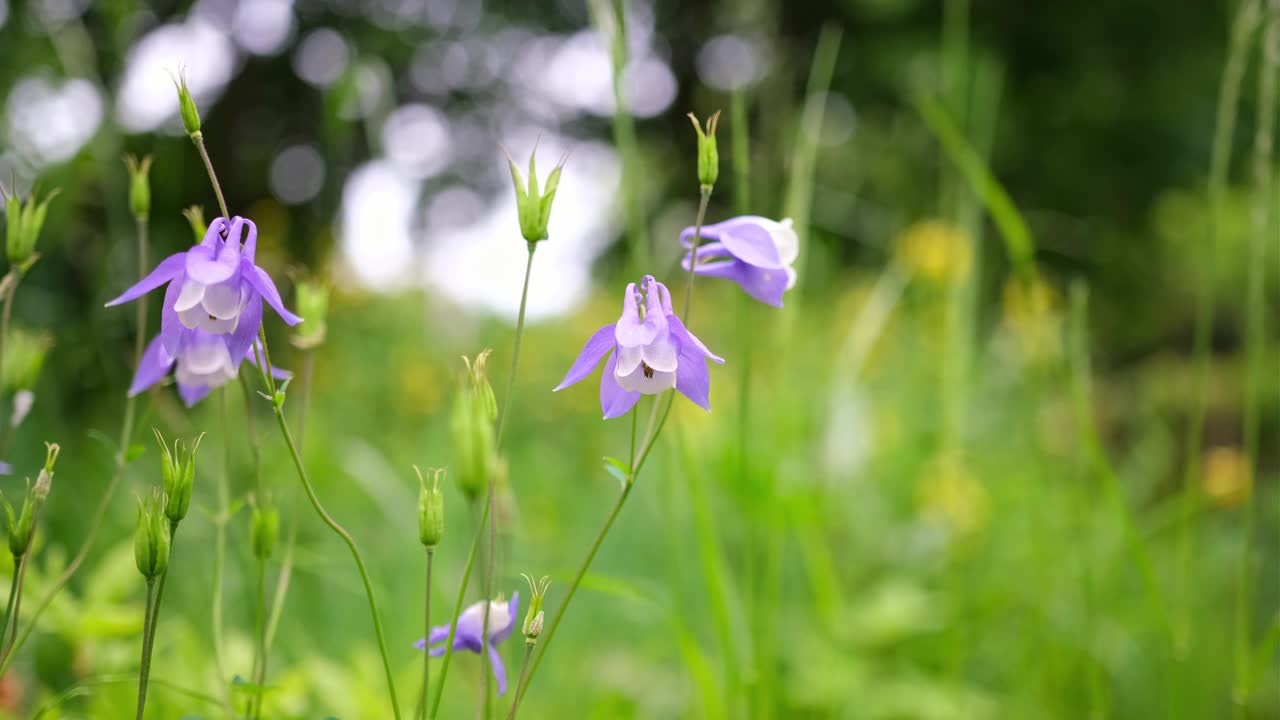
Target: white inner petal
point(190, 296)
point(791, 277)
point(785, 240)
point(191, 316)
point(206, 358)
point(661, 354)
point(628, 359)
point(473, 616)
point(637, 381)
point(222, 300)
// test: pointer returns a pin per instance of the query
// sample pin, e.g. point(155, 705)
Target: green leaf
point(135, 451)
point(618, 469)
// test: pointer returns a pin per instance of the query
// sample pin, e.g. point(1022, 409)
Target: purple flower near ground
point(655, 352)
point(755, 252)
point(214, 288)
point(470, 633)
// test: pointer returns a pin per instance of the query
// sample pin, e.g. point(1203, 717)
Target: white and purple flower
point(470, 633)
point(655, 352)
point(212, 311)
point(755, 252)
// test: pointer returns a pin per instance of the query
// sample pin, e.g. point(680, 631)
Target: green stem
point(260, 651)
point(198, 139)
point(9, 286)
point(704, 197)
point(145, 668)
point(524, 674)
point(164, 577)
point(457, 610)
point(351, 545)
point(421, 711)
point(82, 688)
point(220, 551)
point(18, 560)
point(490, 499)
point(99, 512)
point(17, 602)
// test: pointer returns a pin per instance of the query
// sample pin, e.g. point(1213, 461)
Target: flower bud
point(471, 427)
point(45, 480)
point(139, 186)
point(313, 304)
point(264, 531)
point(21, 524)
point(195, 216)
point(430, 509)
point(24, 356)
point(151, 537)
point(187, 108)
point(533, 207)
point(533, 617)
point(23, 222)
point(708, 156)
point(22, 402)
point(178, 472)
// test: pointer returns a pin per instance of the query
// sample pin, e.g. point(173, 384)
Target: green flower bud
point(44, 482)
point(195, 216)
point(187, 108)
point(313, 304)
point(151, 537)
point(23, 222)
point(21, 524)
point(430, 508)
point(264, 531)
point(178, 472)
point(532, 207)
point(139, 186)
point(24, 356)
point(708, 156)
point(471, 427)
point(533, 617)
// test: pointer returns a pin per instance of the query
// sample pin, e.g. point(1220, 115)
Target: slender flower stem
point(220, 550)
point(198, 139)
point(490, 498)
point(122, 456)
point(147, 628)
point(421, 712)
point(705, 197)
point(15, 602)
point(13, 595)
point(351, 545)
point(8, 286)
point(260, 651)
point(164, 577)
point(457, 610)
point(524, 673)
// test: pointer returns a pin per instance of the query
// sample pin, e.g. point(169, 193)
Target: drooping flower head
point(755, 252)
point(470, 633)
point(203, 363)
point(655, 352)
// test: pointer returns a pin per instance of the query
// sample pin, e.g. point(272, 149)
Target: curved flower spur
point(755, 252)
point(655, 352)
point(470, 633)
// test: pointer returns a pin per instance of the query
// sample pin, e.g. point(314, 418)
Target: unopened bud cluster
point(21, 523)
point(708, 155)
point(533, 617)
point(139, 186)
point(474, 411)
point(177, 472)
point(152, 537)
point(23, 222)
point(533, 206)
point(430, 509)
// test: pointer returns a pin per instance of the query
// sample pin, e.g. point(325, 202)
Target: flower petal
point(438, 634)
point(154, 366)
point(213, 234)
point(262, 282)
point(630, 331)
point(692, 379)
point(222, 300)
point(597, 346)
point(513, 608)
point(764, 284)
point(499, 670)
point(629, 358)
point(192, 394)
point(246, 332)
point(614, 401)
point(649, 382)
point(786, 240)
point(189, 294)
point(164, 272)
point(250, 247)
point(661, 354)
point(212, 265)
point(689, 339)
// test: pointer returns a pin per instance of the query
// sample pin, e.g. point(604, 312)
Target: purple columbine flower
point(214, 288)
point(204, 363)
point(655, 352)
point(755, 252)
point(470, 633)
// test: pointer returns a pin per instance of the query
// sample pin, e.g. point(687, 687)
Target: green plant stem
point(524, 673)
point(82, 688)
point(704, 197)
point(490, 498)
point(13, 594)
point(1219, 164)
point(198, 140)
point(145, 668)
point(122, 455)
point(9, 286)
point(164, 577)
point(457, 610)
point(220, 550)
point(260, 650)
point(421, 711)
point(351, 545)
point(1264, 228)
point(15, 602)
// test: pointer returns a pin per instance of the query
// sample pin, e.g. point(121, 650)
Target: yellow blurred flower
point(1226, 476)
point(1032, 311)
point(949, 496)
point(935, 250)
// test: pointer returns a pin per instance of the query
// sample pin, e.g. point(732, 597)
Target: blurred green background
point(958, 476)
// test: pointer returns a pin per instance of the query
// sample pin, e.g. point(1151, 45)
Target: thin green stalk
point(1242, 31)
point(351, 545)
point(82, 688)
point(13, 595)
point(220, 550)
point(704, 197)
point(122, 454)
point(421, 711)
point(490, 491)
point(16, 601)
point(164, 577)
point(260, 650)
point(457, 610)
point(1264, 227)
point(198, 139)
point(524, 673)
point(145, 668)
point(9, 286)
